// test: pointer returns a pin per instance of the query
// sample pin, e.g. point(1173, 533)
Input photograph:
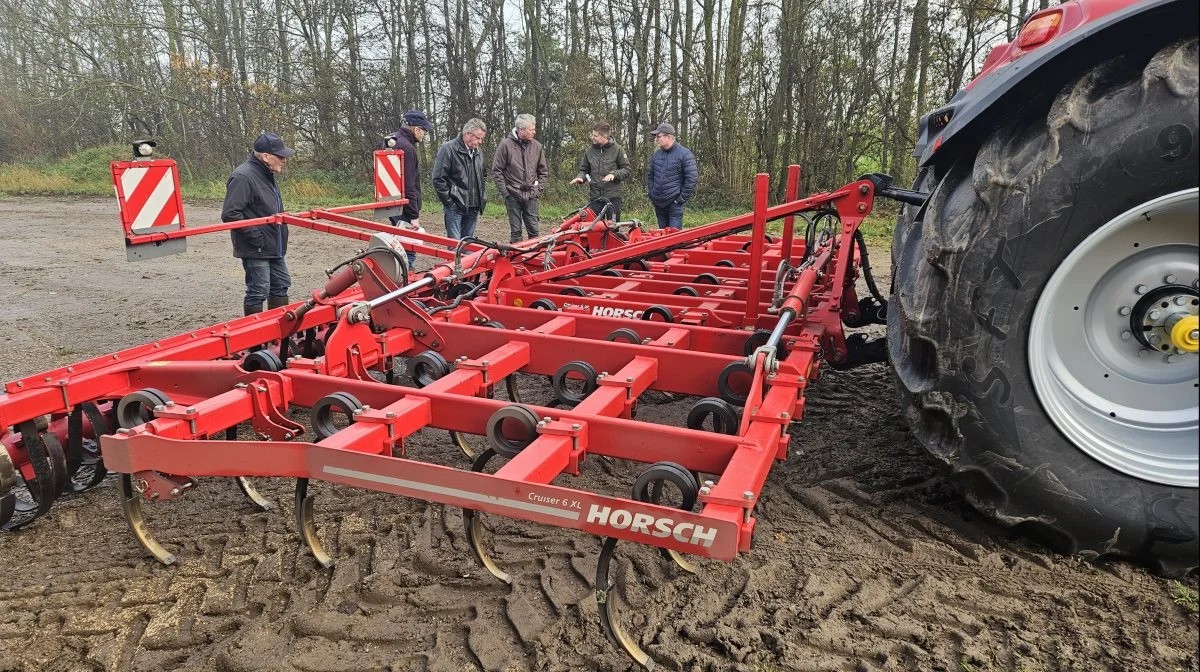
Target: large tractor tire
point(1043, 323)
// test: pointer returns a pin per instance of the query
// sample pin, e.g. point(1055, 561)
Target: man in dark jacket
point(413, 131)
point(672, 177)
point(604, 166)
point(251, 193)
point(519, 169)
point(460, 180)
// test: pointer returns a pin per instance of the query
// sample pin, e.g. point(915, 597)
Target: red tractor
point(1043, 323)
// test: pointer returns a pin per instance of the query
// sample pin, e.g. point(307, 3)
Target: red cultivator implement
point(740, 320)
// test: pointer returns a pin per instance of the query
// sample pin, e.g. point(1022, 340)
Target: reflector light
point(1039, 29)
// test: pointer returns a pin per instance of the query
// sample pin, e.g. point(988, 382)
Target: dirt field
point(866, 559)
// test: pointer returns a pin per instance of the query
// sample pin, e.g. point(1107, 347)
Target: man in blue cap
point(414, 129)
point(251, 193)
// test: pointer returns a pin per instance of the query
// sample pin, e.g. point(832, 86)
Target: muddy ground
point(866, 559)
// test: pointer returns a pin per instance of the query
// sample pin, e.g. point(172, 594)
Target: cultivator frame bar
point(607, 310)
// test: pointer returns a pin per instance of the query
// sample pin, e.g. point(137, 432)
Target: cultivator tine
point(459, 440)
point(244, 483)
point(253, 495)
point(131, 506)
point(605, 592)
point(305, 526)
point(473, 523)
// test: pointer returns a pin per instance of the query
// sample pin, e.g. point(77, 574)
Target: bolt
point(158, 407)
point(747, 495)
point(356, 412)
point(1194, 334)
point(604, 373)
point(1171, 359)
point(546, 419)
point(241, 386)
point(174, 492)
point(704, 490)
point(418, 332)
point(1141, 289)
point(287, 436)
point(20, 384)
point(190, 410)
point(124, 430)
point(1180, 351)
point(1126, 335)
point(389, 414)
point(1154, 339)
point(1155, 314)
point(708, 484)
point(541, 424)
point(154, 495)
point(366, 407)
point(1180, 300)
point(783, 415)
point(862, 207)
point(486, 363)
point(262, 388)
point(576, 427)
point(1142, 353)
point(1123, 311)
point(1169, 278)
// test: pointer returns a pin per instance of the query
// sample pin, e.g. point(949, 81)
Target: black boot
point(277, 301)
point(248, 309)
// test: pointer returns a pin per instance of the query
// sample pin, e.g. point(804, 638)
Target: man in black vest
point(251, 193)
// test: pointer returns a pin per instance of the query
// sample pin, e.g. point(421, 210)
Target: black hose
point(866, 268)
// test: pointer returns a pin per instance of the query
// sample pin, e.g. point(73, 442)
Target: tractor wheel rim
point(1119, 396)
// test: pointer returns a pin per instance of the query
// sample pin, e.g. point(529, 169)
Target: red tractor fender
point(1012, 74)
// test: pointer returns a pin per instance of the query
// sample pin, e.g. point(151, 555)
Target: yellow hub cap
point(1184, 334)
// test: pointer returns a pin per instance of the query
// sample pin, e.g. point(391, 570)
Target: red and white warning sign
point(148, 195)
point(389, 174)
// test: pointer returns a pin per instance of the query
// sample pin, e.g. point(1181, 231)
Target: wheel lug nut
point(1141, 289)
point(1180, 300)
point(1123, 311)
point(1171, 359)
point(1154, 339)
point(1143, 352)
point(1155, 314)
point(1169, 278)
point(1194, 334)
point(1126, 335)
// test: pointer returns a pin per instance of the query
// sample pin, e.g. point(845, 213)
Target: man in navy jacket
point(671, 181)
point(416, 126)
point(251, 193)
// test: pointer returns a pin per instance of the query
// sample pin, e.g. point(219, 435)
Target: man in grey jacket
point(251, 193)
point(605, 167)
point(460, 180)
point(519, 169)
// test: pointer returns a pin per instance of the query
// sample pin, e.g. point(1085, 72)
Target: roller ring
point(501, 443)
point(725, 391)
point(322, 412)
point(558, 382)
point(428, 367)
point(724, 415)
point(624, 334)
point(661, 311)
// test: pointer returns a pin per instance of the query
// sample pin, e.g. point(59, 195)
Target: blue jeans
point(460, 222)
point(265, 277)
point(669, 216)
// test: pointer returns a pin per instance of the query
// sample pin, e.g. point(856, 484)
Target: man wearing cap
point(460, 179)
point(671, 180)
point(519, 169)
point(251, 193)
point(604, 166)
point(414, 129)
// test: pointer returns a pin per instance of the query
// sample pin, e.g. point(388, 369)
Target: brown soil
point(866, 558)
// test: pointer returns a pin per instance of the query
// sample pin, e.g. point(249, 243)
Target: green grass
point(1184, 596)
point(87, 173)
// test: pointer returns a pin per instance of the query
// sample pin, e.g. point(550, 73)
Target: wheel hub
point(1113, 342)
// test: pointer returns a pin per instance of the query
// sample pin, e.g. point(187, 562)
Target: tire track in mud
point(866, 559)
